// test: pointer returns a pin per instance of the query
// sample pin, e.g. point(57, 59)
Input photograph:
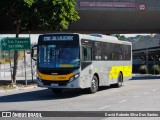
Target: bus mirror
point(34, 53)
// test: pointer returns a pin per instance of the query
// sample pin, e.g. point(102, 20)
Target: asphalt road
point(138, 94)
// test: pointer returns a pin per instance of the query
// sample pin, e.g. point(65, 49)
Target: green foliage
point(40, 14)
point(120, 37)
point(143, 69)
point(29, 2)
point(58, 14)
point(155, 69)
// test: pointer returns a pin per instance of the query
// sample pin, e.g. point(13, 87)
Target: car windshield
point(58, 56)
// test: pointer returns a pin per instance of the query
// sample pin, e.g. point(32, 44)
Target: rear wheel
point(57, 91)
point(94, 85)
point(119, 80)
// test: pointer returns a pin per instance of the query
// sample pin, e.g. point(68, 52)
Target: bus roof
point(103, 38)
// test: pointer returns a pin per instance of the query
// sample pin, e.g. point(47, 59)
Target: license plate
point(54, 84)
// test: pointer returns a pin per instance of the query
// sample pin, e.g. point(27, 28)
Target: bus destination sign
point(57, 38)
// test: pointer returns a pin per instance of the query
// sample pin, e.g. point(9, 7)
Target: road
point(138, 94)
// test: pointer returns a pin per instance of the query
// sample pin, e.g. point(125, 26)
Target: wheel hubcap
point(120, 80)
point(94, 84)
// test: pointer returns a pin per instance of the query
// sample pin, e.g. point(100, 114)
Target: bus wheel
point(119, 80)
point(57, 91)
point(94, 85)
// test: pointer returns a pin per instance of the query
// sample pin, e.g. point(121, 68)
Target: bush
point(155, 69)
point(143, 69)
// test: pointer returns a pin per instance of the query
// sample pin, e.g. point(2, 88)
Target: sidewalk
point(18, 88)
point(144, 76)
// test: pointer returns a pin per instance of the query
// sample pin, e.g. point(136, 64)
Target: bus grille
point(61, 83)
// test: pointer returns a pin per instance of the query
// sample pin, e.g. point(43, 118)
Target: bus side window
point(87, 54)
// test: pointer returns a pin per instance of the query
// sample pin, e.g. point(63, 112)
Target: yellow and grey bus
point(71, 60)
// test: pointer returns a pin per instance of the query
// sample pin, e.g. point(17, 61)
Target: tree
point(143, 69)
point(120, 37)
point(38, 14)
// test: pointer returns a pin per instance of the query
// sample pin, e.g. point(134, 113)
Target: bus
point(72, 60)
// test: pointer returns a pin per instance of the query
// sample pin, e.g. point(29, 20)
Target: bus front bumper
point(51, 84)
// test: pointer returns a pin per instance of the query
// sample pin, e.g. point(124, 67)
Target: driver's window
point(87, 53)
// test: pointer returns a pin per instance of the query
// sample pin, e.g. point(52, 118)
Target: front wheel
point(94, 85)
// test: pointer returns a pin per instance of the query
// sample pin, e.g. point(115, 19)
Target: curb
point(25, 88)
point(18, 88)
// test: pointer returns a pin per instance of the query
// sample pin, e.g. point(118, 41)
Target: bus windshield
point(58, 56)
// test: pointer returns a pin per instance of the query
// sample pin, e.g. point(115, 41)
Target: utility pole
point(147, 56)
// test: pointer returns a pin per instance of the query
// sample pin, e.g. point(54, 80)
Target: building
point(146, 51)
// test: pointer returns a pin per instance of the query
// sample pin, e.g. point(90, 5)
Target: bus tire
point(57, 91)
point(119, 80)
point(94, 85)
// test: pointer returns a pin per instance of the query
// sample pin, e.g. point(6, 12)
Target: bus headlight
point(74, 77)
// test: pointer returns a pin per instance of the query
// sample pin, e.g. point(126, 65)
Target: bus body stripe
point(126, 70)
point(55, 77)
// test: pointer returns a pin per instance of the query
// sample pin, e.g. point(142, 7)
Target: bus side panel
point(86, 76)
point(124, 67)
point(107, 72)
point(102, 69)
point(96, 68)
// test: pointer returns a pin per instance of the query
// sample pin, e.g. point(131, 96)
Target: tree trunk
point(15, 65)
point(16, 54)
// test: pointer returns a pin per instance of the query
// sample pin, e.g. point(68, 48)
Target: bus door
point(86, 65)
